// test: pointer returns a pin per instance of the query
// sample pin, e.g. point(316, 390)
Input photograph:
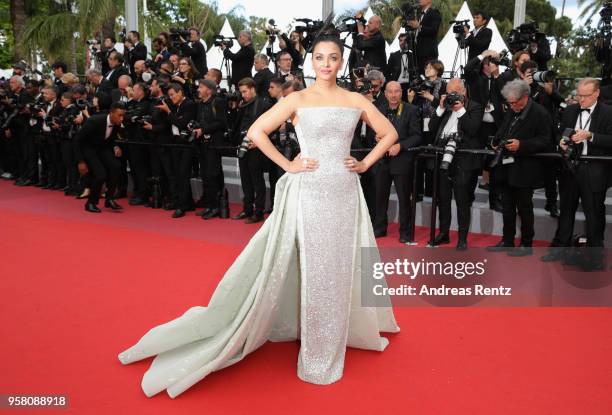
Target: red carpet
point(78, 288)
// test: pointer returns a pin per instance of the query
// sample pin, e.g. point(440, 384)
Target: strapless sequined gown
point(299, 277)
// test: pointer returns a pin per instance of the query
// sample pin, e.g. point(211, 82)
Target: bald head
point(374, 24)
point(455, 85)
point(393, 93)
point(139, 67)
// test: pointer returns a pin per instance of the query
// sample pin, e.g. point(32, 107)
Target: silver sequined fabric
point(299, 277)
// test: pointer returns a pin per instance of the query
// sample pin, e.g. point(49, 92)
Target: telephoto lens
point(449, 152)
point(244, 147)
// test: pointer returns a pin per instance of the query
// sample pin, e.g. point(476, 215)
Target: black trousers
point(29, 157)
point(517, 199)
point(403, 186)
point(57, 170)
point(274, 173)
point(569, 197)
point(140, 167)
point(424, 175)
point(459, 182)
point(70, 163)
point(162, 166)
point(252, 167)
point(41, 153)
point(182, 158)
point(593, 204)
point(104, 167)
point(211, 172)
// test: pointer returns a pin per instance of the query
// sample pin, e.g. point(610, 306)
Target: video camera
point(410, 10)
point(272, 30)
point(459, 29)
point(176, 34)
point(520, 37)
point(421, 84)
point(220, 40)
point(351, 27)
point(311, 28)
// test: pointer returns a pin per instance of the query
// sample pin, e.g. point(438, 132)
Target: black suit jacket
point(533, 130)
point(113, 77)
point(262, 81)
point(91, 138)
point(468, 126)
point(212, 116)
point(138, 53)
point(481, 90)
point(601, 126)
point(197, 53)
point(408, 127)
point(427, 39)
point(373, 50)
point(242, 62)
point(478, 43)
point(181, 115)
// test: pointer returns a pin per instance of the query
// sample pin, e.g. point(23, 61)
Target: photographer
point(51, 138)
point(590, 133)
point(20, 145)
point(211, 117)
point(98, 154)
point(181, 112)
point(426, 34)
point(455, 124)
point(138, 111)
point(108, 47)
point(242, 61)
point(115, 63)
point(135, 51)
point(186, 77)
point(59, 69)
point(294, 47)
point(398, 68)
point(397, 166)
point(479, 39)
point(370, 44)
point(194, 49)
point(160, 128)
point(263, 75)
point(526, 129)
point(251, 164)
point(66, 128)
point(98, 82)
point(518, 58)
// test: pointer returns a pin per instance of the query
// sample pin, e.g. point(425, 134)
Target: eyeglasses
point(285, 59)
point(183, 64)
point(578, 96)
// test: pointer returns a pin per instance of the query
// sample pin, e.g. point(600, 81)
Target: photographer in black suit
point(427, 34)
point(371, 44)
point(592, 125)
point(115, 63)
point(195, 50)
point(108, 47)
point(397, 166)
point(398, 67)
point(211, 115)
point(242, 61)
point(253, 163)
point(263, 75)
point(479, 39)
point(136, 51)
point(98, 154)
point(459, 118)
point(526, 129)
point(181, 111)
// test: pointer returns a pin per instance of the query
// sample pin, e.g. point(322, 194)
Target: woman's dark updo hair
point(328, 34)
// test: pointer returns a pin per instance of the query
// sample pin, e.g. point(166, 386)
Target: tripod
point(461, 58)
point(228, 73)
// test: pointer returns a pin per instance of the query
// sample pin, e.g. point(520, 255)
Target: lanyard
point(587, 123)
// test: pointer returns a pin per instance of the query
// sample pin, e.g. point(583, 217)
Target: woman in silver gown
point(299, 277)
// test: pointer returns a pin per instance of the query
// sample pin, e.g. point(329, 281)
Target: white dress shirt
point(583, 122)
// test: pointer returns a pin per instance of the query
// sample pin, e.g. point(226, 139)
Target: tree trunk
point(18, 21)
point(73, 60)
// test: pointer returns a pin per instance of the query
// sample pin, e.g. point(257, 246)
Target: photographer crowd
point(165, 120)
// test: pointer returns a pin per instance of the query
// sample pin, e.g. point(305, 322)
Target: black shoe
point(521, 250)
point(110, 203)
point(380, 234)
point(202, 212)
point(501, 246)
point(552, 209)
point(592, 265)
point(461, 246)
point(178, 213)
point(211, 213)
point(90, 207)
point(254, 219)
point(70, 192)
point(404, 239)
point(41, 184)
point(241, 216)
point(553, 255)
point(58, 187)
point(26, 182)
point(135, 201)
point(442, 238)
point(48, 186)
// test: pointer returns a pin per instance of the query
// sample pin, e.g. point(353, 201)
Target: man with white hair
point(263, 75)
point(242, 61)
point(525, 130)
point(370, 43)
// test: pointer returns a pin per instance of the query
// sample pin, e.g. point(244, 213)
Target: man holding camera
point(370, 42)
point(479, 39)
point(397, 165)
point(252, 162)
point(263, 75)
point(211, 116)
point(20, 145)
point(98, 154)
point(115, 63)
point(525, 130)
point(195, 50)
point(455, 124)
point(587, 129)
point(242, 61)
point(426, 34)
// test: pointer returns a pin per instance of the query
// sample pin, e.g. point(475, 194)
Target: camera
point(459, 29)
point(228, 42)
point(452, 99)
point(349, 24)
point(189, 134)
point(244, 145)
point(82, 104)
point(272, 30)
point(232, 96)
point(452, 142)
point(520, 37)
point(543, 77)
point(504, 59)
point(499, 152)
point(571, 154)
point(409, 12)
point(141, 119)
point(122, 36)
point(421, 84)
point(311, 28)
